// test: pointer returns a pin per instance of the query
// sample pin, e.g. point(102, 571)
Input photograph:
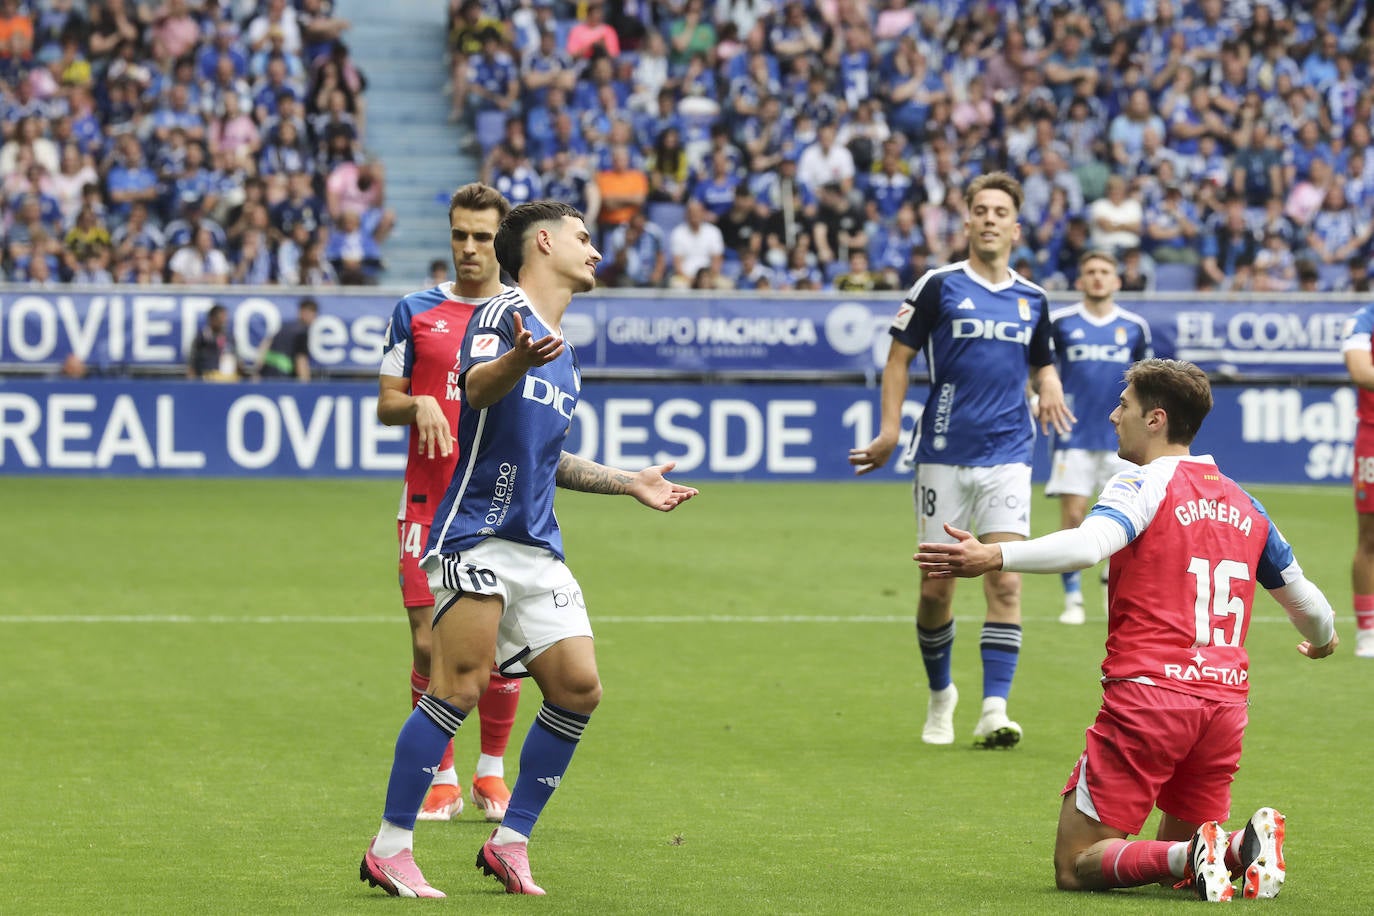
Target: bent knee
point(578, 695)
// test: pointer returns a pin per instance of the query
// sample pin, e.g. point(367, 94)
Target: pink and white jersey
point(1359, 330)
point(1180, 592)
point(424, 340)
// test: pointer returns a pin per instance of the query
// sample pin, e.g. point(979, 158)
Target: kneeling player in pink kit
point(1187, 547)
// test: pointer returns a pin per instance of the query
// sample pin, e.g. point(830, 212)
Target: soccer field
point(202, 682)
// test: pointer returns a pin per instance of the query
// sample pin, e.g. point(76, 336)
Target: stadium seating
point(665, 215)
point(1175, 278)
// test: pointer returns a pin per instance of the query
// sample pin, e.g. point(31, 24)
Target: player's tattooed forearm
point(576, 473)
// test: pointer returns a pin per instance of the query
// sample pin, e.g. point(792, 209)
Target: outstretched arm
point(1062, 551)
point(649, 486)
point(486, 383)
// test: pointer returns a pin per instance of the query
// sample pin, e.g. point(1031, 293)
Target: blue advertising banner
point(749, 432)
point(660, 335)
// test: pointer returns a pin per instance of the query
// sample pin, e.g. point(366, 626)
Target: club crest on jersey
point(1023, 309)
point(484, 345)
point(1120, 336)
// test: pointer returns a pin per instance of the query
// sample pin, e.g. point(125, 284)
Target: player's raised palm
point(533, 352)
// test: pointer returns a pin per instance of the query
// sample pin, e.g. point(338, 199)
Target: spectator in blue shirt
point(636, 254)
point(1319, 67)
point(130, 179)
point(1171, 228)
point(717, 191)
point(353, 253)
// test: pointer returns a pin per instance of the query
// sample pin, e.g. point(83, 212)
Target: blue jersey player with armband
point(1095, 341)
point(984, 330)
point(501, 590)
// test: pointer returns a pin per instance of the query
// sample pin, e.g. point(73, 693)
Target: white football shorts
point(542, 603)
point(1083, 472)
point(981, 500)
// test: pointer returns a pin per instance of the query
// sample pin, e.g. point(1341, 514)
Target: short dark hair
point(476, 196)
point(995, 181)
point(1178, 388)
point(308, 304)
point(511, 237)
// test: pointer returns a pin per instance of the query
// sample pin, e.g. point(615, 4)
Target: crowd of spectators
point(184, 141)
point(824, 144)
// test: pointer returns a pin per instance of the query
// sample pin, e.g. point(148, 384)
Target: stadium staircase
point(399, 45)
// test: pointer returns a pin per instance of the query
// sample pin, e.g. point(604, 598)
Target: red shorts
point(1156, 747)
point(412, 537)
point(1364, 469)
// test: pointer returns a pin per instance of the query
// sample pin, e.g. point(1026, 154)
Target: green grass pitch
point(202, 682)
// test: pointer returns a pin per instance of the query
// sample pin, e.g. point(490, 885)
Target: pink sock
point(418, 685)
point(1364, 612)
point(1131, 863)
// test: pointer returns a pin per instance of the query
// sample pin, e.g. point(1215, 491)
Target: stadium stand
point(1190, 104)
point(200, 133)
point(1240, 130)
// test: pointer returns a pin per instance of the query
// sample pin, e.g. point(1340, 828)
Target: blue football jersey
point(504, 483)
point(1094, 354)
point(980, 341)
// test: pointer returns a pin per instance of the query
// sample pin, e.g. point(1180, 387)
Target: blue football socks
point(937, 651)
point(419, 747)
point(544, 759)
point(1001, 647)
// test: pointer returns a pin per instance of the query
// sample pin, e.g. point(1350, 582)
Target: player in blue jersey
point(1095, 342)
point(984, 329)
point(495, 554)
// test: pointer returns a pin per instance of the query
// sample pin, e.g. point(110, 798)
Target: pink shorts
point(412, 537)
point(1364, 469)
point(1155, 747)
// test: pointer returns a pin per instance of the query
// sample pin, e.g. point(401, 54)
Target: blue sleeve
point(1362, 322)
point(398, 332)
point(1277, 555)
point(490, 333)
point(924, 303)
point(1117, 516)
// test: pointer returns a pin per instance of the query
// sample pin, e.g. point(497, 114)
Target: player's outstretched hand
point(966, 558)
point(656, 491)
point(873, 455)
point(432, 426)
point(533, 352)
point(1311, 651)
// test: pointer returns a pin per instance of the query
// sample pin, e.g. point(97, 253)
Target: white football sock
point(506, 835)
point(392, 840)
point(491, 766)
